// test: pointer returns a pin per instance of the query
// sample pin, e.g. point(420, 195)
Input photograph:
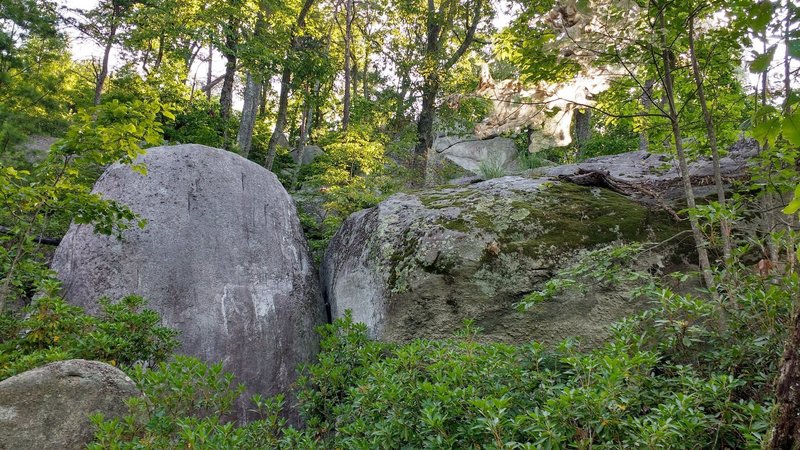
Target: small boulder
point(49, 407)
point(310, 153)
point(452, 157)
point(223, 260)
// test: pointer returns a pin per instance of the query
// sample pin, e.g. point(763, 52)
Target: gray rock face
point(310, 153)
point(418, 265)
point(659, 174)
point(467, 154)
point(222, 258)
point(49, 407)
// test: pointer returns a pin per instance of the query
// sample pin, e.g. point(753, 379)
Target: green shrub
point(185, 405)
point(126, 334)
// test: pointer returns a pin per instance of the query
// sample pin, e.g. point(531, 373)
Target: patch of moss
point(534, 225)
point(458, 224)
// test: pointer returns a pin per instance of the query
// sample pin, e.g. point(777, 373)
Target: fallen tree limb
point(45, 240)
point(602, 178)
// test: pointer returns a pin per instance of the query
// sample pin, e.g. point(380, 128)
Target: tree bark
point(209, 76)
point(252, 96)
point(644, 139)
point(583, 130)
point(725, 229)
point(280, 118)
point(286, 79)
point(786, 428)
point(348, 38)
point(305, 130)
point(434, 66)
point(101, 77)
point(700, 241)
point(229, 52)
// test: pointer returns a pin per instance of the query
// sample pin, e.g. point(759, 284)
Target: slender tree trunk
point(305, 130)
point(583, 130)
point(280, 118)
point(644, 139)
point(160, 55)
point(101, 77)
point(252, 96)
point(365, 75)
point(286, 78)
point(700, 241)
point(427, 115)
point(226, 96)
point(711, 131)
point(348, 38)
point(209, 75)
point(262, 104)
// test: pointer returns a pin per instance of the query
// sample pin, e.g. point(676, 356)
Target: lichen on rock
point(426, 262)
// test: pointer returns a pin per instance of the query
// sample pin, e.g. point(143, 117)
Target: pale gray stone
point(49, 407)
point(223, 259)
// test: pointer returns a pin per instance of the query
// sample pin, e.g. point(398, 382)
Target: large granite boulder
point(49, 407)
point(222, 258)
point(418, 265)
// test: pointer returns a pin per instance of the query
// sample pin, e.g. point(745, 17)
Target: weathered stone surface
point(49, 407)
point(453, 157)
point(310, 153)
point(546, 107)
point(658, 174)
point(222, 258)
point(418, 265)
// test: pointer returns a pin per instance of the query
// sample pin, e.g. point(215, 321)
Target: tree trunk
point(699, 239)
point(210, 76)
point(725, 228)
point(252, 96)
point(280, 118)
point(583, 129)
point(644, 139)
point(101, 77)
point(226, 96)
point(365, 75)
point(305, 130)
point(430, 89)
point(786, 429)
point(348, 38)
point(286, 78)
point(262, 104)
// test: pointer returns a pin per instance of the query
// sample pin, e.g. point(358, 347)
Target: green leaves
point(791, 128)
point(762, 61)
point(794, 48)
point(794, 205)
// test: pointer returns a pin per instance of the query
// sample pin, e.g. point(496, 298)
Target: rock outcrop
point(651, 176)
point(310, 153)
point(546, 108)
point(49, 407)
point(223, 259)
point(419, 265)
point(453, 156)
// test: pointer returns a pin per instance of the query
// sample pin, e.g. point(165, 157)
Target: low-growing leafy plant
point(126, 334)
point(186, 404)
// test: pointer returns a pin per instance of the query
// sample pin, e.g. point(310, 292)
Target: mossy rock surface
point(419, 265)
